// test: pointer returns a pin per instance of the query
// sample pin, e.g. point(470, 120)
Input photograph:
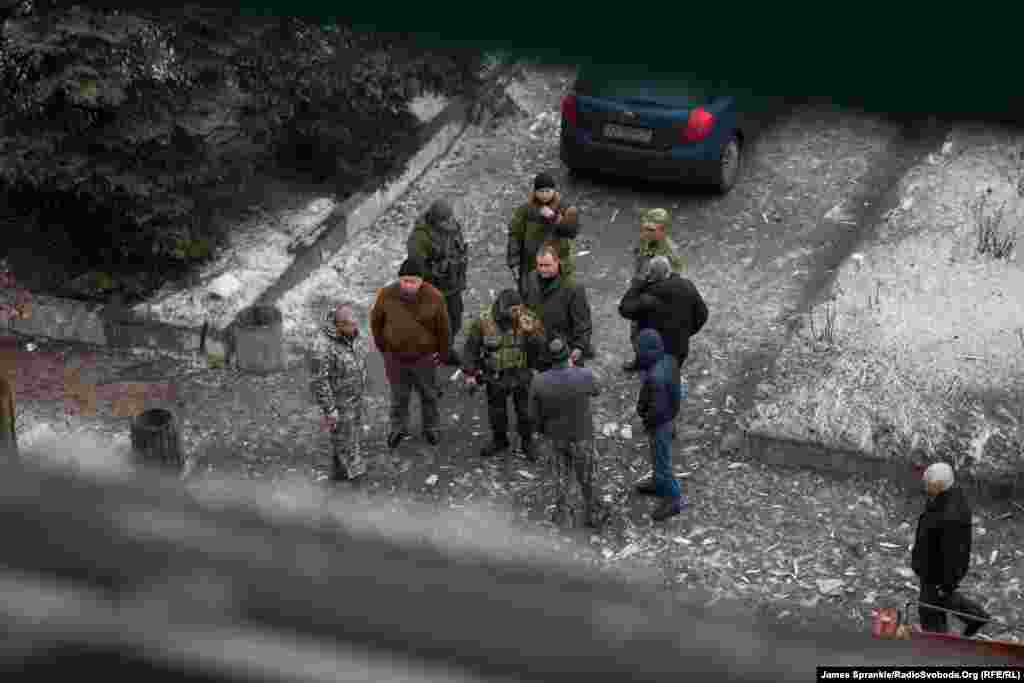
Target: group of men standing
point(530, 346)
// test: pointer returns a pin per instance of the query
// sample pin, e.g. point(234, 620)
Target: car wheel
point(729, 164)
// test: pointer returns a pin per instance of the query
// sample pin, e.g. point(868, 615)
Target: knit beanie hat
point(411, 267)
point(558, 350)
point(543, 181)
point(440, 212)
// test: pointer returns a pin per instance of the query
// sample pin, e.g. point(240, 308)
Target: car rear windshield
point(628, 86)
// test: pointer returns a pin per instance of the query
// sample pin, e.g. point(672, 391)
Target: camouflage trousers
point(572, 465)
point(346, 444)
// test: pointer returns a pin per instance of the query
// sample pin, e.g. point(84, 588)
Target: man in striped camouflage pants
point(339, 388)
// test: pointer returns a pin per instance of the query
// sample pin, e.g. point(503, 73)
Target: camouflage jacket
point(338, 372)
point(506, 357)
point(645, 251)
point(444, 252)
point(528, 231)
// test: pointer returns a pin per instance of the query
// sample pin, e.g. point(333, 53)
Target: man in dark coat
point(664, 301)
point(658, 405)
point(438, 242)
point(654, 241)
point(942, 553)
point(560, 409)
point(561, 306)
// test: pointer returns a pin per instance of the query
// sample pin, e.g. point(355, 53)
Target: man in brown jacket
point(410, 327)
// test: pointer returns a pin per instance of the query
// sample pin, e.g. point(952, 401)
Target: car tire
point(730, 162)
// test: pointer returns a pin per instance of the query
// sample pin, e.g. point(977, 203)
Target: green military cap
point(656, 216)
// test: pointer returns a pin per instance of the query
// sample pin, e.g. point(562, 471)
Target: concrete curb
point(360, 211)
point(107, 325)
point(115, 326)
point(786, 452)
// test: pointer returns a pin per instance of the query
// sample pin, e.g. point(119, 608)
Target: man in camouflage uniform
point(502, 346)
point(339, 387)
point(438, 242)
point(542, 220)
point(653, 242)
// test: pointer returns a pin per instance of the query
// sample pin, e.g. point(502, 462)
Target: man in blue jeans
point(658, 405)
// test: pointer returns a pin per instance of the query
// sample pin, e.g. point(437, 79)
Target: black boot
point(670, 507)
point(498, 445)
point(396, 437)
point(645, 487)
point(338, 471)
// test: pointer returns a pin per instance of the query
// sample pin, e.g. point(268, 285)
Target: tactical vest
point(501, 351)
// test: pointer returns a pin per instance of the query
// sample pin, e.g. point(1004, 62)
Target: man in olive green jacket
point(542, 220)
point(438, 242)
point(653, 242)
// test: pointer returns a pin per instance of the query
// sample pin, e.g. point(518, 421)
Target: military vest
point(501, 351)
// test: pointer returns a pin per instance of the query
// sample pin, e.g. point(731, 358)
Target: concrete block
point(787, 452)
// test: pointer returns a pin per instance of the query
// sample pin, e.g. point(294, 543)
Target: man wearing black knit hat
point(438, 241)
point(410, 326)
point(543, 219)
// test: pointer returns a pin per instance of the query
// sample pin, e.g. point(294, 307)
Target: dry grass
point(919, 350)
point(994, 237)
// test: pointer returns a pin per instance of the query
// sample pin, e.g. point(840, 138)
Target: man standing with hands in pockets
point(410, 326)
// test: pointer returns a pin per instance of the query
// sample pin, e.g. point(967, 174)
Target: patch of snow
point(225, 286)
point(257, 255)
point(427, 106)
point(76, 446)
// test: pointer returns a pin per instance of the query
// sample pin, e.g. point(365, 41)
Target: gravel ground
point(788, 547)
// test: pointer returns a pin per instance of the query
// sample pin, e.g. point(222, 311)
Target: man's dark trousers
point(453, 301)
point(497, 409)
point(408, 375)
point(935, 620)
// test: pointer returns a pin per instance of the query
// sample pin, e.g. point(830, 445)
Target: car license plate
point(628, 133)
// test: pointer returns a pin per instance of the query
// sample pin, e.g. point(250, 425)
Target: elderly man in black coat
point(668, 303)
point(942, 554)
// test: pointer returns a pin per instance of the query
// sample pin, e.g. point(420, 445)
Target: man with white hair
point(942, 553)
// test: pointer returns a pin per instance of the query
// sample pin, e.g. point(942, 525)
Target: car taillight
point(698, 126)
point(569, 109)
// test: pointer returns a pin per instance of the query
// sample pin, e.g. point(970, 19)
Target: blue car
point(663, 129)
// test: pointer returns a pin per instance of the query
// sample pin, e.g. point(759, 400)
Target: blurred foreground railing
point(137, 574)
